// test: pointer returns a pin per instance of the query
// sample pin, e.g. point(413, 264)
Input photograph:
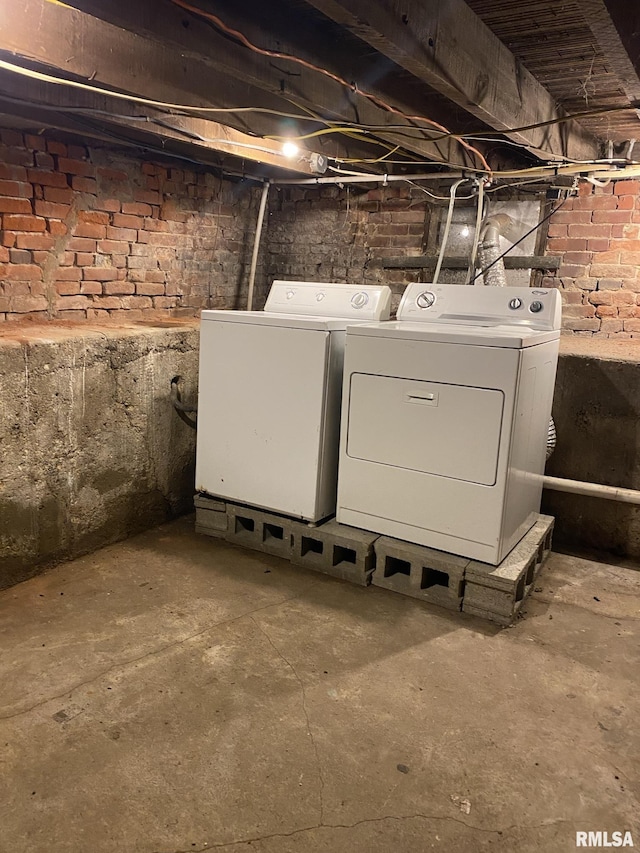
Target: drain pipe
point(447, 227)
point(256, 242)
point(595, 490)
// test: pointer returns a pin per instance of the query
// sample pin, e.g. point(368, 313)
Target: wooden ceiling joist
point(612, 42)
point(446, 45)
point(145, 48)
point(202, 140)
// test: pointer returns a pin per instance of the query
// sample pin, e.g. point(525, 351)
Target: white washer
point(269, 396)
point(445, 416)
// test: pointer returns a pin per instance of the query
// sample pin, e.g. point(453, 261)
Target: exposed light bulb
point(290, 149)
point(465, 231)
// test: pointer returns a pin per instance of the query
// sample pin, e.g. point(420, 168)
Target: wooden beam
point(612, 42)
point(511, 262)
point(446, 45)
point(144, 125)
point(165, 59)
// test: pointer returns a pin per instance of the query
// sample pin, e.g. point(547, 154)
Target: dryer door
point(435, 428)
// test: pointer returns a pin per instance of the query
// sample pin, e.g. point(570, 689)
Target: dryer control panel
point(326, 299)
point(538, 308)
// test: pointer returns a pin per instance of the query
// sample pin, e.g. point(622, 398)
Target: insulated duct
point(551, 438)
point(492, 229)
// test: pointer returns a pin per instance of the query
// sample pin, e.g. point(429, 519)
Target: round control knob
point(360, 299)
point(290, 294)
point(425, 299)
point(515, 303)
point(536, 306)
point(319, 297)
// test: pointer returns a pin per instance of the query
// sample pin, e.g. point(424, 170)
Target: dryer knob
point(360, 299)
point(425, 299)
point(536, 306)
point(319, 296)
point(290, 294)
point(515, 303)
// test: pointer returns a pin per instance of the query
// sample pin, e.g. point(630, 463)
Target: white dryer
point(269, 396)
point(445, 416)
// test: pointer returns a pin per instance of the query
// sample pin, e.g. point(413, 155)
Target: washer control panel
point(326, 299)
point(481, 306)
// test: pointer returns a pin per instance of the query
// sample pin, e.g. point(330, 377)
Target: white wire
point(445, 235)
point(149, 102)
point(440, 197)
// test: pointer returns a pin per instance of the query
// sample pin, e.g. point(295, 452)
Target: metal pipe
point(596, 490)
point(476, 234)
point(175, 397)
point(368, 179)
point(256, 242)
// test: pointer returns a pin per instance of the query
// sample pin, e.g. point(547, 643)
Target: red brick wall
point(332, 234)
point(597, 234)
point(98, 235)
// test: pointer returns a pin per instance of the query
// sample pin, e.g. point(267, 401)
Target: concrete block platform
point(336, 549)
point(362, 557)
point(211, 516)
point(420, 572)
point(260, 530)
point(498, 592)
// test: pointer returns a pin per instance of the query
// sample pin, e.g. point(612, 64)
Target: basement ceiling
point(374, 85)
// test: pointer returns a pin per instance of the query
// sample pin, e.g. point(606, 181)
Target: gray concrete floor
point(173, 693)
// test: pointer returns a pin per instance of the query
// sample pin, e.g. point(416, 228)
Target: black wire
point(524, 237)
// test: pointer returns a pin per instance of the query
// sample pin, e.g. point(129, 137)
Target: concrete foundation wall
point(92, 449)
point(597, 411)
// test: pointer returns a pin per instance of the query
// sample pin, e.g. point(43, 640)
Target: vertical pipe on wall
point(256, 242)
point(447, 226)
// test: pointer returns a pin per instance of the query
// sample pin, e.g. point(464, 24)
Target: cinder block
point(335, 549)
point(420, 572)
point(501, 590)
point(202, 501)
point(259, 530)
point(211, 516)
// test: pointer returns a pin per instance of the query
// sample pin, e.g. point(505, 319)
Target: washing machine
point(445, 417)
point(269, 396)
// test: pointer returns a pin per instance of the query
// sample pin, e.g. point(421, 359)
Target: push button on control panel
point(515, 303)
point(360, 299)
point(536, 306)
point(425, 299)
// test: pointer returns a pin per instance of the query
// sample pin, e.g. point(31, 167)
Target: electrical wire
point(517, 242)
point(332, 124)
point(342, 127)
point(440, 197)
point(236, 34)
point(137, 99)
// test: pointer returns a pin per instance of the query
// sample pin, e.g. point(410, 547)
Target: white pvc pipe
point(447, 226)
point(256, 243)
point(596, 490)
point(374, 178)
